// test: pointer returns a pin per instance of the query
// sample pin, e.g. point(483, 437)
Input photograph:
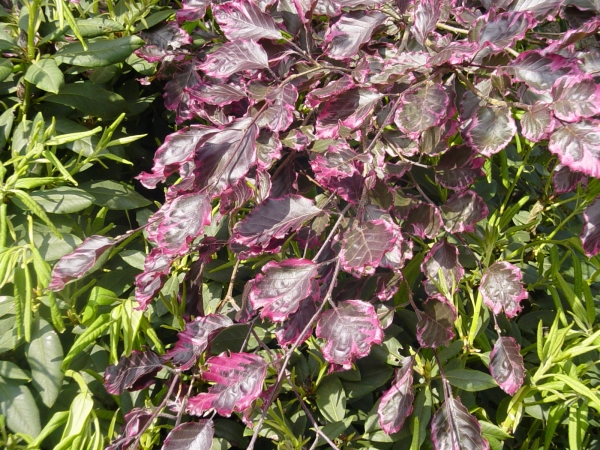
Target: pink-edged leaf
point(436, 323)
point(565, 180)
point(238, 379)
point(349, 329)
point(338, 161)
point(349, 109)
point(454, 53)
point(421, 109)
point(539, 8)
point(192, 342)
point(442, 258)
point(453, 428)
point(89, 256)
point(458, 168)
point(541, 71)
point(134, 421)
point(151, 280)
point(177, 97)
point(291, 329)
point(491, 129)
point(234, 57)
point(462, 211)
point(578, 146)
point(351, 31)
point(502, 288)
point(244, 20)
point(217, 94)
point(282, 104)
point(192, 10)
point(163, 41)
point(132, 373)
point(424, 221)
point(426, 16)
point(332, 89)
point(575, 98)
point(365, 245)
point(191, 436)
point(590, 237)
point(506, 364)
point(503, 30)
point(282, 286)
point(395, 258)
point(538, 122)
point(572, 36)
point(396, 403)
point(265, 228)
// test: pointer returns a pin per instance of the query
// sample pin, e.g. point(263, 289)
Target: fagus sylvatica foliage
point(379, 228)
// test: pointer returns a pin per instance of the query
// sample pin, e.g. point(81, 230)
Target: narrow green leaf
point(45, 75)
point(58, 165)
point(32, 183)
point(30, 204)
point(41, 267)
point(580, 388)
point(89, 336)
point(55, 313)
point(66, 14)
point(79, 413)
point(578, 424)
point(72, 137)
point(57, 420)
point(99, 53)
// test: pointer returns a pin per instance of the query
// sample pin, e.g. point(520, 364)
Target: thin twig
point(330, 236)
point(228, 297)
point(183, 405)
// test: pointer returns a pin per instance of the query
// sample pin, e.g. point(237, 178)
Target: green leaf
point(63, 200)
point(8, 333)
point(6, 123)
point(331, 399)
point(45, 75)
point(52, 248)
point(44, 355)
point(97, 26)
point(11, 371)
point(100, 53)
point(90, 99)
point(18, 405)
point(6, 68)
point(81, 407)
point(470, 380)
point(32, 183)
point(89, 336)
point(57, 420)
point(114, 195)
point(31, 205)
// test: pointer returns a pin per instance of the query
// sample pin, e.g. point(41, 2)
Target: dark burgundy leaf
point(564, 180)
point(462, 211)
point(538, 122)
point(191, 436)
point(506, 365)
point(282, 287)
point(443, 257)
point(541, 71)
point(269, 223)
point(238, 379)
point(162, 41)
point(332, 89)
point(151, 280)
point(132, 373)
point(365, 245)
point(578, 146)
point(348, 109)
point(234, 57)
point(422, 109)
point(89, 256)
point(134, 421)
point(192, 10)
point(436, 323)
point(453, 428)
point(244, 20)
point(575, 98)
point(458, 168)
point(192, 342)
point(177, 97)
point(349, 331)
point(353, 29)
point(491, 129)
point(503, 30)
point(396, 403)
point(290, 330)
point(426, 16)
point(501, 288)
point(590, 237)
point(423, 220)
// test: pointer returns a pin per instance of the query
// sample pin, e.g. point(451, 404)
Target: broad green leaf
point(331, 399)
point(89, 336)
point(44, 355)
point(100, 53)
point(6, 68)
point(45, 75)
point(6, 123)
point(114, 195)
point(470, 380)
point(97, 26)
point(10, 371)
point(18, 405)
point(52, 248)
point(31, 205)
point(90, 99)
point(63, 200)
point(8, 333)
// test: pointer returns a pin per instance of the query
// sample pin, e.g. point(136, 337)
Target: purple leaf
point(156, 267)
point(132, 373)
point(575, 98)
point(191, 436)
point(590, 237)
point(506, 365)
point(332, 89)
point(282, 104)
point(134, 421)
point(349, 109)
point(504, 29)
point(578, 146)
point(163, 41)
point(565, 180)
point(541, 71)
point(290, 330)
point(458, 168)
point(501, 288)
point(338, 161)
point(351, 31)
point(436, 323)
point(426, 16)
point(192, 342)
point(423, 220)
point(442, 258)
point(217, 94)
point(572, 36)
point(462, 211)
point(349, 331)
point(238, 379)
point(177, 97)
point(365, 245)
point(396, 403)
point(81, 261)
point(454, 53)
point(264, 229)
point(192, 10)
point(233, 57)
point(244, 20)
point(453, 428)
point(491, 129)
point(539, 8)
point(421, 109)
point(538, 122)
point(282, 287)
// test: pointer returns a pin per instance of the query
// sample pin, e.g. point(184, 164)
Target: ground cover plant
point(379, 230)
